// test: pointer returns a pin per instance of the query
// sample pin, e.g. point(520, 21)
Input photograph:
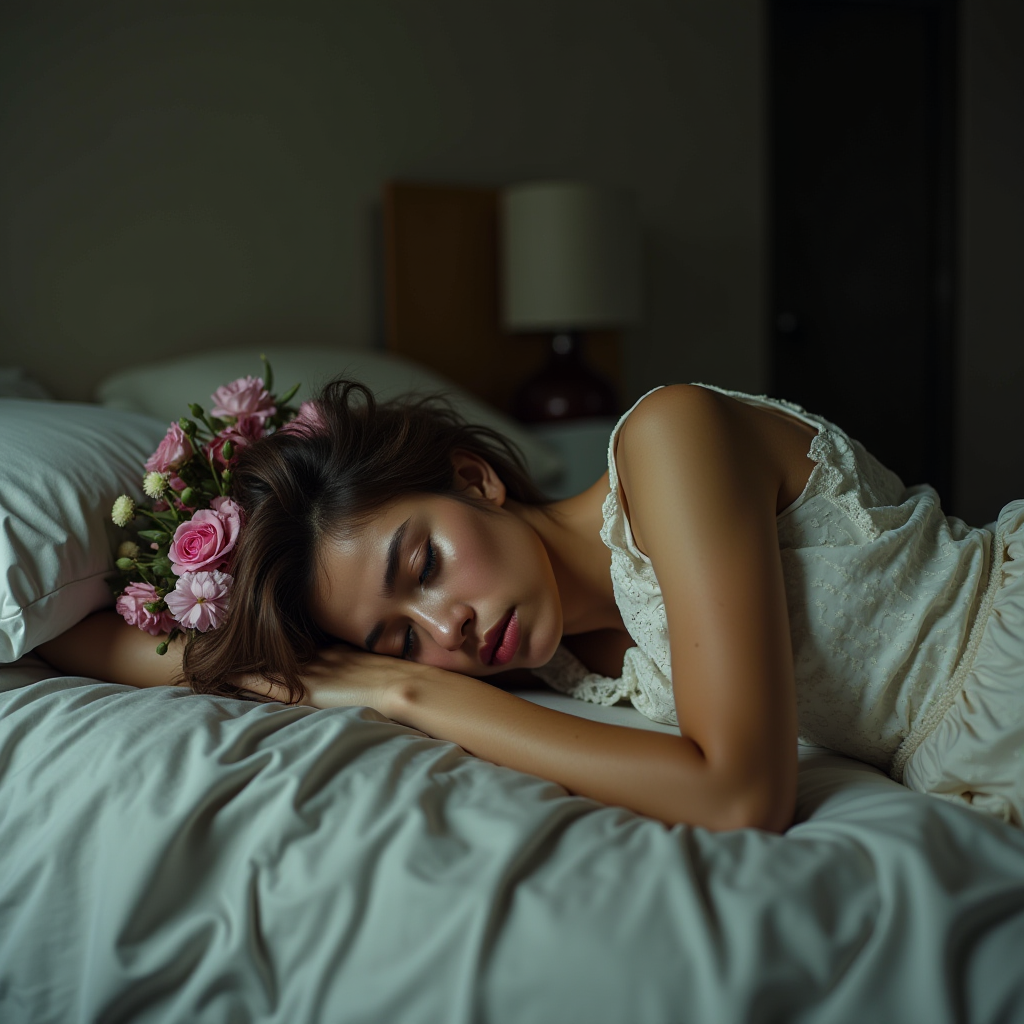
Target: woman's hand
point(343, 676)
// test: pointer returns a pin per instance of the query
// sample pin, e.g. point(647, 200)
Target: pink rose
point(243, 397)
point(231, 511)
point(131, 607)
point(200, 600)
point(205, 540)
point(241, 435)
point(172, 451)
point(307, 421)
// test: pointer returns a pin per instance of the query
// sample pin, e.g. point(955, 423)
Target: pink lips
point(501, 642)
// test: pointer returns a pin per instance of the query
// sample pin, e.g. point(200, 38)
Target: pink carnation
point(206, 539)
point(243, 397)
point(307, 421)
point(200, 600)
point(241, 434)
point(172, 451)
point(131, 606)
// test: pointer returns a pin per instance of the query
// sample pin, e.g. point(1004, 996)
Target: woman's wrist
point(404, 691)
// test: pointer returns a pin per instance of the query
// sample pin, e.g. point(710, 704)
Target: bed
point(172, 857)
point(169, 857)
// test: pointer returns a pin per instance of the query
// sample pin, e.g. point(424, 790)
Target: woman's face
point(442, 582)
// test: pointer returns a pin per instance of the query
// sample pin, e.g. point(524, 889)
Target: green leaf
point(268, 374)
point(162, 566)
point(159, 536)
point(289, 394)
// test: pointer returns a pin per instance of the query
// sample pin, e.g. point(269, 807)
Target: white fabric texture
point(62, 465)
point(885, 595)
point(169, 858)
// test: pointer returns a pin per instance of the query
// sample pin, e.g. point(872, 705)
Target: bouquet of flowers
point(176, 576)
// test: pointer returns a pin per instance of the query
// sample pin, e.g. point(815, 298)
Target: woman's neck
point(571, 533)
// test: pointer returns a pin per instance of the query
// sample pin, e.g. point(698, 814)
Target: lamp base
point(566, 389)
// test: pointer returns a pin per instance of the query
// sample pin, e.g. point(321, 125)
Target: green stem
point(155, 516)
point(216, 476)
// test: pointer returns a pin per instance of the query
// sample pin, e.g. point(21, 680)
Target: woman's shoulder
point(767, 442)
point(651, 413)
point(664, 418)
point(669, 402)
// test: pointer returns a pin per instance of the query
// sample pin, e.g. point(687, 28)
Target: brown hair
point(302, 485)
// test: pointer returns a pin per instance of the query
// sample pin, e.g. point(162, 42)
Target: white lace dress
point(887, 599)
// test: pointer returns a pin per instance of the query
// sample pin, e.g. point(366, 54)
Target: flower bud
point(124, 564)
point(227, 450)
point(128, 549)
point(154, 484)
point(186, 496)
point(196, 410)
point(123, 511)
point(161, 648)
point(187, 426)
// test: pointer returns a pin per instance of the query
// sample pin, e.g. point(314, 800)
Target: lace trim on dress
point(567, 674)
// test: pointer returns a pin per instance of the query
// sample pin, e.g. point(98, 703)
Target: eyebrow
point(388, 585)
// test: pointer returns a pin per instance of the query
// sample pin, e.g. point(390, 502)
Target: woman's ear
point(475, 476)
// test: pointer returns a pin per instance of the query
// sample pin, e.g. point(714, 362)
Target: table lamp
point(570, 263)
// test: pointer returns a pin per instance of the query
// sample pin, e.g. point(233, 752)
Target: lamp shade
point(570, 257)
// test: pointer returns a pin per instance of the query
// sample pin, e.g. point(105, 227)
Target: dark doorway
point(862, 221)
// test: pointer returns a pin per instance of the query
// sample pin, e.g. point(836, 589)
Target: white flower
point(128, 549)
point(154, 484)
point(123, 511)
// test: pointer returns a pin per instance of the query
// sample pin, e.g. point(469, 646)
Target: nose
point(447, 624)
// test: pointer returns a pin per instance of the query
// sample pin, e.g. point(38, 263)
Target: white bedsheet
point(167, 857)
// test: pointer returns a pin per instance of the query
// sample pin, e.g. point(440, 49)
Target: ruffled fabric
point(974, 753)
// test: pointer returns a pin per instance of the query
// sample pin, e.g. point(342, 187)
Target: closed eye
point(429, 568)
point(431, 564)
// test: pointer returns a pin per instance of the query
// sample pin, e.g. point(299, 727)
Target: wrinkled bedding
point(167, 857)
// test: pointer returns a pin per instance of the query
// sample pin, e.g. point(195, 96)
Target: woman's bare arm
point(702, 489)
point(103, 646)
point(652, 773)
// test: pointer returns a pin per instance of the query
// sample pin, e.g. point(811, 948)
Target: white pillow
point(165, 389)
point(62, 464)
point(16, 383)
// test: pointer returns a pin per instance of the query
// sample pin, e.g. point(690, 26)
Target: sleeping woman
point(744, 570)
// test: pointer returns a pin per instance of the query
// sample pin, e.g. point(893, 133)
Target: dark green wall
point(178, 173)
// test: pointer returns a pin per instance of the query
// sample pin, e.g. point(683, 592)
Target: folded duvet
point(167, 857)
